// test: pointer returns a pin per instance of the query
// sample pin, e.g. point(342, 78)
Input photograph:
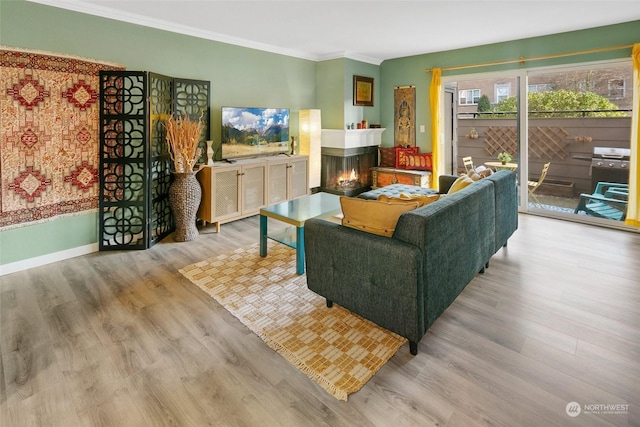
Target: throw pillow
point(419, 161)
point(475, 176)
point(422, 199)
point(484, 172)
point(460, 183)
point(387, 157)
point(401, 155)
point(373, 216)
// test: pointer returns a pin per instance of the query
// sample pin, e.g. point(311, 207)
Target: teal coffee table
point(296, 212)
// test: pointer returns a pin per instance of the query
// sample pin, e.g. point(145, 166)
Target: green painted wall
point(239, 77)
point(353, 113)
point(247, 77)
point(335, 92)
point(411, 70)
point(330, 86)
point(50, 237)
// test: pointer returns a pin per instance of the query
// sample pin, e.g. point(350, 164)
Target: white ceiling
point(368, 31)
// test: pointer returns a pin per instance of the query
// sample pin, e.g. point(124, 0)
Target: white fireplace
point(347, 159)
point(351, 138)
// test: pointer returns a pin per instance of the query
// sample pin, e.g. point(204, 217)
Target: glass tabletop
point(297, 211)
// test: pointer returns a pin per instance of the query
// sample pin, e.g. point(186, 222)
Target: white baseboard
point(47, 259)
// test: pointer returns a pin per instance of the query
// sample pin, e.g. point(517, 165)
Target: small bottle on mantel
point(365, 124)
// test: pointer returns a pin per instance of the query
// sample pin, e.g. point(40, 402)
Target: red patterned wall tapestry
point(49, 140)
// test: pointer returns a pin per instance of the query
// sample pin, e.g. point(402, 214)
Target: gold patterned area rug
point(336, 348)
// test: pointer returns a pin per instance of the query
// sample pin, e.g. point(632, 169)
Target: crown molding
point(109, 13)
point(350, 55)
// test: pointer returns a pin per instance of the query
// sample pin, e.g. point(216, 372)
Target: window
point(503, 91)
point(585, 85)
point(541, 87)
point(469, 97)
point(616, 88)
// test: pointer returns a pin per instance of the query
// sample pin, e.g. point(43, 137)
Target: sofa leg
point(482, 270)
point(329, 303)
point(413, 347)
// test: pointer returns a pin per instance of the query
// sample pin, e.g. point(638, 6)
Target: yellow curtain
point(633, 211)
point(435, 96)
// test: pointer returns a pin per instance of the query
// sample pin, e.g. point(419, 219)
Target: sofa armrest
point(506, 196)
point(445, 182)
point(379, 278)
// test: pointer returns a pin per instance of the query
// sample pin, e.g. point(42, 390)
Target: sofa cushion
point(460, 183)
point(373, 216)
point(422, 199)
point(387, 157)
point(475, 176)
point(483, 171)
point(394, 190)
point(419, 161)
point(401, 155)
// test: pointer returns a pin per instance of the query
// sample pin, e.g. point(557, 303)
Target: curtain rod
point(522, 59)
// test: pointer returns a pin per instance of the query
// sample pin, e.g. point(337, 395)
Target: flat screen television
point(254, 132)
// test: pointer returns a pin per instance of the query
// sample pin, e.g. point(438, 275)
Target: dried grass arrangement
point(183, 137)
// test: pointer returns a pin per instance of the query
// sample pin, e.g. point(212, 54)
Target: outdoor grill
point(610, 165)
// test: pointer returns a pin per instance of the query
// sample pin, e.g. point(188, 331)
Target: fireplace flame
point(351, 181)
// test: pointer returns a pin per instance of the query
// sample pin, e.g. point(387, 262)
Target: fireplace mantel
point(351, 138)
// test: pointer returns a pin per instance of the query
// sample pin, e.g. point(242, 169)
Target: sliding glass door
point(579, 122)
point(487, 124)
point(484, 132)
point(571, 147)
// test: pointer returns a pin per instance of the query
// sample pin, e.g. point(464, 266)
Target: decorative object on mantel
point(405, 116)
point(49, 138)
point(267, 296)
point(183, 137)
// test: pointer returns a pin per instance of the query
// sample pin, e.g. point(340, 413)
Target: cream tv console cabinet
point(232, 191)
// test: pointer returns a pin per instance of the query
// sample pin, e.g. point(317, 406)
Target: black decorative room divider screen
point(135, 171)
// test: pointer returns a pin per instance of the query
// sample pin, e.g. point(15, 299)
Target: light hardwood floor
point(122, 339)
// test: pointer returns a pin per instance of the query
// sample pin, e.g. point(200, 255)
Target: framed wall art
point(363, 91)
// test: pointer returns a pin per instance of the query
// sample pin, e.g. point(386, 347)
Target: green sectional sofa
point(405, 282)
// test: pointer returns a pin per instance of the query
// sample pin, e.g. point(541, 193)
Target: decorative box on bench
point(381, 177)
